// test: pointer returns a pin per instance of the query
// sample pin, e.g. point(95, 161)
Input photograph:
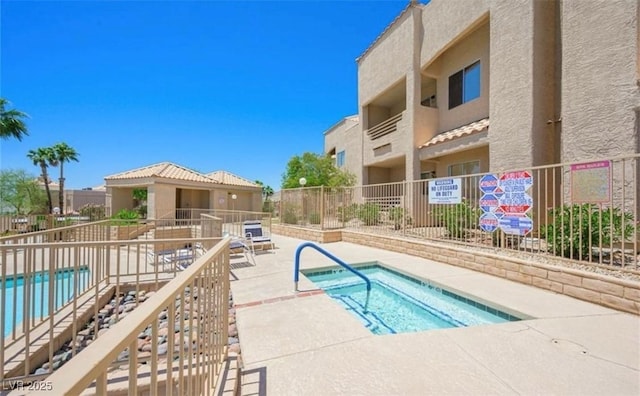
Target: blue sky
point(240, 86)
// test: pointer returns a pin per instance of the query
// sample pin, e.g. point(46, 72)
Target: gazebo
point(171, 189)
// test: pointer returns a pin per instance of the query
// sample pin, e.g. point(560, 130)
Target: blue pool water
point(14, 294)
point(400, 304)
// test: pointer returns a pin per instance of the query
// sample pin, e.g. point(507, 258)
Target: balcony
point(385, 127)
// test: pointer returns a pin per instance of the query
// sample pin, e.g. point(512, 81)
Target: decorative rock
point(162, 349)
point(233, 330)
point(141, 343)
point(235, 348)
point(124, 355)
point(232, 340)
point(41, 371)
point(146, 347)
point(163, 331)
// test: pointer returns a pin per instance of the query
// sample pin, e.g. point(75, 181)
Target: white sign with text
point(445, 191)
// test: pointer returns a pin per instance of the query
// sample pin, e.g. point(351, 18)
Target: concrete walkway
point(306, 344)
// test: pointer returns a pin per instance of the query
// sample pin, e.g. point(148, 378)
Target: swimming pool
point(14, 294)
point(401, 304)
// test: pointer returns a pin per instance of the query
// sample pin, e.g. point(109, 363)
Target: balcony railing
point(384, 128)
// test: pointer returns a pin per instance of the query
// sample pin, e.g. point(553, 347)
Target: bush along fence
point(586, 212)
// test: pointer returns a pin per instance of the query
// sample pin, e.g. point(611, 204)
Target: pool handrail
point(296, 270)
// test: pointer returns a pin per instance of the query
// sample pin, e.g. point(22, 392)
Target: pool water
point(14, 294)
point(401, 304)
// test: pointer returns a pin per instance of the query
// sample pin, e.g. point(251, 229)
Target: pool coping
point(312, 335)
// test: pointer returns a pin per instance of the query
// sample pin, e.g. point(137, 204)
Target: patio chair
point(179, 259)
point(252, 231)
point(240, 244)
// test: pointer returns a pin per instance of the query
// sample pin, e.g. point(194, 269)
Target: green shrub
point(348, 212)
point(125, 216)
point(576, 228)
point(458, 219)
point(142, 211)
point(398, 216)
point(369, 213)
point(290, 215)
point(314, 218)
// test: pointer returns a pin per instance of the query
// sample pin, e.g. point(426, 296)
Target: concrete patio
point(306, 344)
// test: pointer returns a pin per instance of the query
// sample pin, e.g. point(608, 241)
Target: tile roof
point(165, 170)
point(465, 130)
point(230, 179)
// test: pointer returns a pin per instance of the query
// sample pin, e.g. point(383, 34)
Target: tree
point(267, 191)
point(318, 169)
point(20, 192)
point(43, 157)
point(63, 153)
point(11, 122)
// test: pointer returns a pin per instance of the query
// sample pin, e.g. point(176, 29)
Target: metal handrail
point(296, 271)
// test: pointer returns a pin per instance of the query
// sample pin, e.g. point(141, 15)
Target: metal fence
point(194, 306)
point(232, 220)
point(585, 211)
point(60, 289)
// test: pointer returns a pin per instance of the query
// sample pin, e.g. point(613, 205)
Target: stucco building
point(457, 87)
point(173, 189)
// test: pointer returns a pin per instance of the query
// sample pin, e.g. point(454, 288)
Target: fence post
point(404, 209)
point(321, 207)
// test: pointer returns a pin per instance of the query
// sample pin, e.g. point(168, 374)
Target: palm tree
point(43, 157)
point(11, 123)
point(63, 153)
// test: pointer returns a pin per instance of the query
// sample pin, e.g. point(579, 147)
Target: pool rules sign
point(505, 202)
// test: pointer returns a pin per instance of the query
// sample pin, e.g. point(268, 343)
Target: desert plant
point(458, 219)
point(368, 213)
point(124, 217)
point(576, 228)
point(314, 218)
point(399, 217)
point(290, 215)
point(347, 212)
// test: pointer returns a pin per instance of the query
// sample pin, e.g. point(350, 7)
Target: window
point(465, 168)
point(464, 86)
point(427, 175)
point(340, 159)
point(469, 184)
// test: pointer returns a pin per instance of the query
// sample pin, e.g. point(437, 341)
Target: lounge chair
point(252, 231)
point(178, 258)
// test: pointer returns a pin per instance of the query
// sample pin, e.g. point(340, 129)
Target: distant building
point(76, 199)
point(457, 87)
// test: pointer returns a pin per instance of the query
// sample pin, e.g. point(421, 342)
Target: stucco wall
point(472, 48)
point(599, 78)
point(478, 154)
point(161, 200)
point(444, 20)
point(387, 62)
point(347, 137)
point(511, 53)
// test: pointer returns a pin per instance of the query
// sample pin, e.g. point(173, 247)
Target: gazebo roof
point(166, 170)
point(227, 178)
